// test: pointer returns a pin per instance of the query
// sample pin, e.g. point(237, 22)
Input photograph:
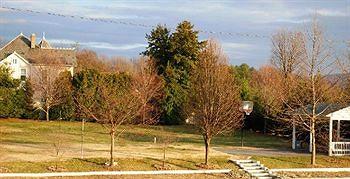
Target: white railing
point(340, 148)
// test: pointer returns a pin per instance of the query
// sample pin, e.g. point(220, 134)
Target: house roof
point(22, 45)
point(342, 114)
point(44, 43)
point(324, 109)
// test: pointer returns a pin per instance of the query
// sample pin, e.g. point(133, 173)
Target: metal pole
point(82, 138)
point(242, 130)
point(330, 146)
point(293, 136)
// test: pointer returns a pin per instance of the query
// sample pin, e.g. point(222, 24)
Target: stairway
point(255, 169)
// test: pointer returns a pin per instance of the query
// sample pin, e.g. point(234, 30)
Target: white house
point(338, 144)
point(19, 66)
point(21, 54)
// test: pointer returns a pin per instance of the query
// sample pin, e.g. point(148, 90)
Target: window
point(14, 61)
point(23, 74)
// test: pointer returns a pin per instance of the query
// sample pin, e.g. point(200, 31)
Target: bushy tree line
point(15, 96)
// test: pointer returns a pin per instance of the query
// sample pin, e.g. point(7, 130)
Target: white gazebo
point(340, 146)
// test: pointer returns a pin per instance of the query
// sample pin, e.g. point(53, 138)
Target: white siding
point(15, 63)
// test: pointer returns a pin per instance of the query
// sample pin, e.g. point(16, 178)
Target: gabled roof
point(44, 43)
point(324, 109)
point(21, 44)
point(342, 114)
point(19, 56)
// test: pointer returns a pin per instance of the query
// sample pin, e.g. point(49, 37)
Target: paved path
point(258, 151)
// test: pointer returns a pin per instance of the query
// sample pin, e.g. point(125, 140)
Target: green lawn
point(27, 146)
point(303, 161)
point(42, 132)
point(98, 164)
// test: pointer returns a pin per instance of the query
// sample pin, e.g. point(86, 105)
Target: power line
point(103, 20)
point(113, 21)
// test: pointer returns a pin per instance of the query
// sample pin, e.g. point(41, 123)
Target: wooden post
point(330, 136)
point(293, 136)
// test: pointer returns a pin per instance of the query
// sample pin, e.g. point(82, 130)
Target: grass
point(27, 146)
point(98, 164)
point(314, 174)
point(303, 161)
point(42, 132)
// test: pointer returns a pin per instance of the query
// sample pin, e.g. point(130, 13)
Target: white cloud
point(12, 21)
point(234, 46)
point(99, 45)
point(3, 10)
point(104, 45)
point(331, 13)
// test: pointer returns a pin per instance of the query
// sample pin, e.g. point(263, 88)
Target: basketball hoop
point(247, 107)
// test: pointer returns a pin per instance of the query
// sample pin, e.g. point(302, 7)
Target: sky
point(243, 28)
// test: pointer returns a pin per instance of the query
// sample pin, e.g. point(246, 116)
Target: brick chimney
point(32, 41)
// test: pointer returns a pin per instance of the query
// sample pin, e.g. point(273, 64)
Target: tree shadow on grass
point(96, 161)
point(171, 162)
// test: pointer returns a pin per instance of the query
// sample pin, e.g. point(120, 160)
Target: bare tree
point(165, 139)
point(88, 59)
point(268, 83)
point(59, 145)
point(308, 88)
point(214, 97)
point(46, 84)
point(150, 85)
point(287, 51)
point(114, 99)
point(345, 68)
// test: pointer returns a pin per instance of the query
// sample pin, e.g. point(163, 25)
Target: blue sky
point(258, 19)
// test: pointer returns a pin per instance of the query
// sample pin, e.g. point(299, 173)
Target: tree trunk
point(164, 148)
point(111, 161)
point(207, 146)
point(313, 155)
point(47, 114)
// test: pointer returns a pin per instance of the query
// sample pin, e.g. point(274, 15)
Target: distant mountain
point(342, 79)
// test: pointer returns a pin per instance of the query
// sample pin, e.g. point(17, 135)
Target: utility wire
point(113, 21)
point(105, 20)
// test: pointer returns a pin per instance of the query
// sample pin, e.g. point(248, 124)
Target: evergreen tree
point(174, 56)
point(13, 96)
point(243, 75)
point(159, 47)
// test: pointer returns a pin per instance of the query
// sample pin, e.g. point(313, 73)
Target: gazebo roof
point(324, 109)
point(342, 114)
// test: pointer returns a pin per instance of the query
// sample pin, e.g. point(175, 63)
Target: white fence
point(340, 148)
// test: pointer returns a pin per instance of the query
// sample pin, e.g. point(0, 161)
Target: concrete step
point(249, 165)
point(253, 168)
point(260, 174)
point(245, 161)
point(264, 178)
point(256, 171)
